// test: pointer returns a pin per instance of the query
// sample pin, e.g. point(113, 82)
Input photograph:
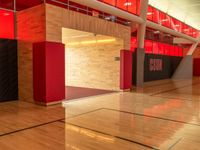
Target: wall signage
point(155, 64)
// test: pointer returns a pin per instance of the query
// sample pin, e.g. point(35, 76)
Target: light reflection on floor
point(163, 115)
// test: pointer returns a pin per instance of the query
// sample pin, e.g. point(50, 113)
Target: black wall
point(134, 68)
point(169, 65)
point(8, 70)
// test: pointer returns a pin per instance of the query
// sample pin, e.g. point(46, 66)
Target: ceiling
point(187, 11)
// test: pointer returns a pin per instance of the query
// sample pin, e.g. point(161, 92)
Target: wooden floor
point(162, 115)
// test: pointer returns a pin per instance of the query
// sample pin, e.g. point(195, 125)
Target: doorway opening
point(92, 63)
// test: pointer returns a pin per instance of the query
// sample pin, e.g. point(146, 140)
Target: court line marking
point(49, 122)
point(170, 81)
point(173, 89)
point(83, 113)
point(149, 116)
point(184, 99)
point(118, 137)
point(31, 127)
point(137, 114)
point(174, 144)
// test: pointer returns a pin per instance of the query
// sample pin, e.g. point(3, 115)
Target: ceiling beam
point(131, 17)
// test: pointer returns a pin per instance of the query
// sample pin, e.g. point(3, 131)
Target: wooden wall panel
point(31, 28)
point(93, 65)
point(25, 73)
point(57, 17)
point(31, 24)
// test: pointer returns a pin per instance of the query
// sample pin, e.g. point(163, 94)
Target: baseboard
point(48, 103)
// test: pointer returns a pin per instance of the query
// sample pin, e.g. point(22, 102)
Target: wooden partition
point(58, 18)
point(30, 29)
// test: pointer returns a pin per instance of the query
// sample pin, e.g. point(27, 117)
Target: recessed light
point(177, 25)
point(6, 14)
point(164, 20)
point(127, 4)
point(149, 13)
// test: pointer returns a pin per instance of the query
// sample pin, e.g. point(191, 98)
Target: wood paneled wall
point(31, 28)
point(31, 24)
point(44, 23)
point(57, 17)
point(93, 65)
point(25, 71)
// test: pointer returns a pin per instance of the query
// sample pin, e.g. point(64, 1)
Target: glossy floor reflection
point(163, 115)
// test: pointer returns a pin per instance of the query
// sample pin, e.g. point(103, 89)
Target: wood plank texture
point(57, 17)
point(31, 28)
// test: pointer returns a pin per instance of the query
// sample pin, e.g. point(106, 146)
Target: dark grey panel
point(8, 70)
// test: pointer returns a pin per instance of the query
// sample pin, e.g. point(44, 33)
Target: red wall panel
point(55, 71)
point(122, 4)
point(148, 46)
point(196, 68)
point(48, 72)
point(125, 69)
point(150, 13)
point(6, 24)
point(153, 47)
point(132, 6)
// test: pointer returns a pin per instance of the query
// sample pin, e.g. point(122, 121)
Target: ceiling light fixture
point(127, 4)
point(150, 13)
point(156, 32)
point(106, 40)
point(91, 42)
point(164, 20)
point(177, 25)
point(88, 42)
point(6, 14)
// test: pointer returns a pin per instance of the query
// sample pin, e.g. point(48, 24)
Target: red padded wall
point(125, 69)
point(196, 68)
point(48, 71)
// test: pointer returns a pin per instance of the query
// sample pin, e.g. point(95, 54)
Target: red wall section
point(125, 69)
point(162, 18)
point(153, 47)
point(6, 24)
point(131, 6)
point(196, 68)
point(48, 72)
point(39, 73)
